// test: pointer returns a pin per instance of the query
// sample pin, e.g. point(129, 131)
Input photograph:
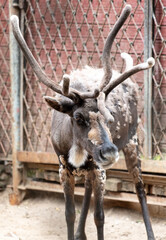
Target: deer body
point(121, 102)
point(95, 116)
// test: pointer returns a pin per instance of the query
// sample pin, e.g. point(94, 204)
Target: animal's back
point(121, 101)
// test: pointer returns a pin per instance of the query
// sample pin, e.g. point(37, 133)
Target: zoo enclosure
point(65, 35)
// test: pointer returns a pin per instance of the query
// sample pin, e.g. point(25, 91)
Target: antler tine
point(102, 108)
point(66, 85)
point(107, 47)
point(83, 95)
point(140, 67)
point(72, 94)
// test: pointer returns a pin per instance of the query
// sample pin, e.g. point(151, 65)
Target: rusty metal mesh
point(5, 96)
point(65, 35)
point(159, 79)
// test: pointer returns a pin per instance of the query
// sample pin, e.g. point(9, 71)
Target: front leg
point(67, 180)
point(134, 167)
point(80, 234)
point(98, 186)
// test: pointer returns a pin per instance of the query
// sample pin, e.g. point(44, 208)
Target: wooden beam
point(79, 191)
point(3, 158)
point(130, 197)
point(41, 166)
point(37, 157)
point(148, 178)
point(50, 187)
point(150, 166)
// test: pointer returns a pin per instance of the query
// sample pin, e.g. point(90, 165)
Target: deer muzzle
point(107, 154)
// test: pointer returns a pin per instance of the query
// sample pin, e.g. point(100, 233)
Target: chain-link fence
point(65, 35)
point(5, 95)
point(159, 79)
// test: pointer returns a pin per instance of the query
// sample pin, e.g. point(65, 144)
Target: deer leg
point(80, 234)
point(134, 167)
point(67, 180)
point(98, 186)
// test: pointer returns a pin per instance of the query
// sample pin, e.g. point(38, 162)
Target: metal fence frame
point(16, 66)
point(148, 123)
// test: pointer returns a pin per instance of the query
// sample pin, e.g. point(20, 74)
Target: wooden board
point(148, 178)
point(113, 196)
point(37, 157)
point(45, 186)
point(130, 197)
point(150, 166)
point(51, 167)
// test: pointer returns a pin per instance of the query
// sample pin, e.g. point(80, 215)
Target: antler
point(70, 93)
point(142, 66)
point(102, 108)
point(107, 47)
point(106, 85)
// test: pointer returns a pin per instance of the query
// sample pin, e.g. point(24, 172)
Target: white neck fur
point(77, 156)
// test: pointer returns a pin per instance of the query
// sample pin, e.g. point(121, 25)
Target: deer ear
point(63, 105)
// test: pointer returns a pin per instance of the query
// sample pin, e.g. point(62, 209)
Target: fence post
point(15, 74)
point(148, 31)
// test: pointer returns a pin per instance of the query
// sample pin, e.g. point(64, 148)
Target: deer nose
point(109, 154)
point(108, 149)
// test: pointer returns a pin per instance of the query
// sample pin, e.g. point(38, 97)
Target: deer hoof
point(80, 236)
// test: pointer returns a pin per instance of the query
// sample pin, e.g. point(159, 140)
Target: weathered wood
point(51, 176)
point(79, 191)
point(150, 179)
point(37, 157)
point(130, 197)
point(51, 167)
point(150, 166)
point(158, 190)
point(45, 186)
point(127, 187)
point(113, 184)
point(15, 199)
point(4, 158)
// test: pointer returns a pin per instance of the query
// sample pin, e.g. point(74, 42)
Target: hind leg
point(134, 167)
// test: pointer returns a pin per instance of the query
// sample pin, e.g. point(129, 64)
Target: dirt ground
point(41, 217)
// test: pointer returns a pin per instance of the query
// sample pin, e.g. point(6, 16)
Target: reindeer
point(90, 126)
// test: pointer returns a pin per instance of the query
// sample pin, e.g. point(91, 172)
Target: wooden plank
point(51, 187)
point(113, 184)
point(147, 178)
point(37, 157)
point(79, 191)
point(150, 166)
point(128, 187)
point(51, 167)
point(130, 197)
point(41, 186)
point(3, 158)
point(158, 190)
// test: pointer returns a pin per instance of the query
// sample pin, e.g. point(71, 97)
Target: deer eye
point(80, 119)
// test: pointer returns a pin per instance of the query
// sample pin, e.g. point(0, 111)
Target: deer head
point(89, 115)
